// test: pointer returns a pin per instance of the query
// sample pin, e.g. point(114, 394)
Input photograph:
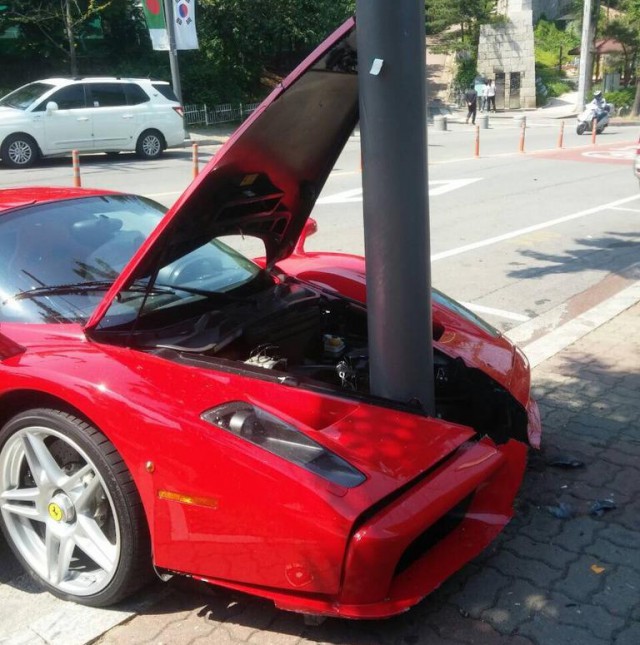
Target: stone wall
point(506, 55)
point(506, 52)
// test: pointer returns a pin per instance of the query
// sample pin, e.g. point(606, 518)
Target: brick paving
point(545, 581)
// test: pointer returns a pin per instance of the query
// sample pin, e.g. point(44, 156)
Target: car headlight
point(263, 429)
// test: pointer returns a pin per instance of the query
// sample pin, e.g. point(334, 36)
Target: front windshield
point(24, 97)
point(68, 242)
point(59, 259)
point(207, 274)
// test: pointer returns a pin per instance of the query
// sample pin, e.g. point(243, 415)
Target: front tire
point(581, 128)
point(19, 151)
point(69, 509)
point(150, 144)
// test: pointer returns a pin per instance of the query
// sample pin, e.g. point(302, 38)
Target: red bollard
point(75, 161)
point(594, 129)
point(477, 147)
point(561, 135)
point(196, 169)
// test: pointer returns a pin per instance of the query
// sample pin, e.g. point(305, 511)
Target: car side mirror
point(310, 227)
point(52, 106)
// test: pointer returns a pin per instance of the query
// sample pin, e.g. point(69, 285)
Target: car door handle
point(83, 118)
point(127, 116)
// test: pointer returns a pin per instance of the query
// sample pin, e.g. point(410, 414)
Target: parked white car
point(101, 114)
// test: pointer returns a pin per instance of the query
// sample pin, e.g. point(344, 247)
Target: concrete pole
point(585, 57)
point(173, 52)
point(393, 131)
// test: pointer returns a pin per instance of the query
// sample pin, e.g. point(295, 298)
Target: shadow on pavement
point(617, 254)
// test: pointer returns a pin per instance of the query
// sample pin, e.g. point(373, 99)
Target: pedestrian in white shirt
point(490, 95)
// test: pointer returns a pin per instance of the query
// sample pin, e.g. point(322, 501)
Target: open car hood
point(265, 180)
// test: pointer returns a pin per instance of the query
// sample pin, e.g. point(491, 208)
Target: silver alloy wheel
point(20, 152)
point(58, 511)
point(151, 145)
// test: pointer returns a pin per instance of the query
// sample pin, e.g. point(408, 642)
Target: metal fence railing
point(224, 113)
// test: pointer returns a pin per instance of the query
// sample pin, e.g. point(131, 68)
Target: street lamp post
point(585, 58)
point(173, 52)
point(393, 130)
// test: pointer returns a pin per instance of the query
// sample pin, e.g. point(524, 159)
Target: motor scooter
point(585, 119)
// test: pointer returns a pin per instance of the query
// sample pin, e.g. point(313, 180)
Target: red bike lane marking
point(618, 153)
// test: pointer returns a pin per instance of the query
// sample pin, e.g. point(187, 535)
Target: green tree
point(552, 43)
point(57, 22)
point(628, 36)
point(458, 21)
point(631, 9)
point(455, 27)
point(245, 45)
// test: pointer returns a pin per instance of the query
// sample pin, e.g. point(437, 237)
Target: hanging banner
point(154, 16)
point(184, 24)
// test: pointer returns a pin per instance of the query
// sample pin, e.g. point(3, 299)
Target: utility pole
point(173, 52)
point(393, 132)
point(585, 57)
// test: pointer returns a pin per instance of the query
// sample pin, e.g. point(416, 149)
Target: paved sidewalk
point(212, 135)
point(563, 107)
point(559, 575)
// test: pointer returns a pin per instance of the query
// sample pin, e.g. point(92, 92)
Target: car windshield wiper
point(81, 287)
point(212, 295)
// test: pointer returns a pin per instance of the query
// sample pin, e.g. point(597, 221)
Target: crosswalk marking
point(436, 187)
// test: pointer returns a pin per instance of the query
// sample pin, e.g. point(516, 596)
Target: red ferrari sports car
point(168, 403)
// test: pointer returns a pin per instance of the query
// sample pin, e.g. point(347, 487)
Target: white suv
point(57, 115)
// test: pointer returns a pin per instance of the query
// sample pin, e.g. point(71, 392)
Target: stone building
point(506, 52)
point(506, 55)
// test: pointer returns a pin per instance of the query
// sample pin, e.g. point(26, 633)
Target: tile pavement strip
point(545, 581)
point(30, 616)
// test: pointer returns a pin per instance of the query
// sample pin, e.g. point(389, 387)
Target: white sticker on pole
point(376, 66)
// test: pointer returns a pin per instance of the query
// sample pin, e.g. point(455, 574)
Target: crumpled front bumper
point(410, 546)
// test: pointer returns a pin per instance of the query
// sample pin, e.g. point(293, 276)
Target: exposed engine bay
point(296, 333)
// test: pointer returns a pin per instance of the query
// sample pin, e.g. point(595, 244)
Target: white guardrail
point(224, 113)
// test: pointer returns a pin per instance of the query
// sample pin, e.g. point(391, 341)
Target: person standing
point(471, 97)
point(490, 94)
point(479, 87)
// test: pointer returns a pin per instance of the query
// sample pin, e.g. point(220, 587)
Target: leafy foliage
point(466, 72)
point(241, 42)
point(455, 27)
point(551, 48)
point(238, 39)
point(108, 41)
point(457, 22)
point(56, 24)
point(626, 30)
point(550, 82)
point(550, 41)
point(621, 98)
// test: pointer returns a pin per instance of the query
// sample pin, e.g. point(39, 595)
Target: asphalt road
point(498, 239)
point(528, 240)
